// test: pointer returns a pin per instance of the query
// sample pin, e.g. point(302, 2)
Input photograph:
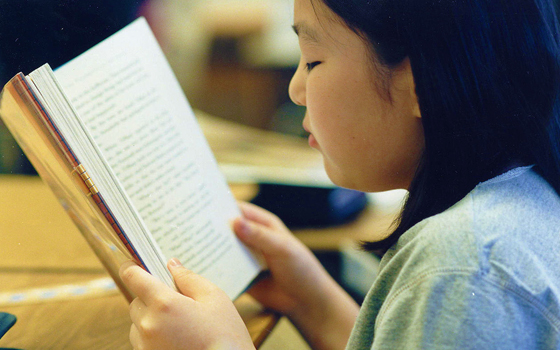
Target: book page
point(127, 96)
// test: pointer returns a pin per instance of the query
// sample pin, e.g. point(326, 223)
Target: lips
point(311, 140)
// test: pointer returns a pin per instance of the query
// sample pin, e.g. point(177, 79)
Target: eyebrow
point(305, 32)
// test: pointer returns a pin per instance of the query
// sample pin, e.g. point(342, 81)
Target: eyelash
point(310, 66)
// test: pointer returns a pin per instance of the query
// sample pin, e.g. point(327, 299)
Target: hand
point(199, 316)
point(298, 286)
point(294, 270)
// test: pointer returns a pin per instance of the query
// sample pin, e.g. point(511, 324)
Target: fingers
point(137, 310)
point(260, 238)
point(259, 215)
point(261, 230)
point(134, 337)
point(142, 283)
point(151, 290)
point(268, 293)
point(189, 283)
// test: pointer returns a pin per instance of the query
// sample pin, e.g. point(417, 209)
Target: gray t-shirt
point(484, 274)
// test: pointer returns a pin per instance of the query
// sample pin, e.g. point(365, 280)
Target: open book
point(114, 137)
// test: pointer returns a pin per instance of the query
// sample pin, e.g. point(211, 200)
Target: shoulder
point(487, 265)
point(506, 232)
point(517, 212)
point(455, 309)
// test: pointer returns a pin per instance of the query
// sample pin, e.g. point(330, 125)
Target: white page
point(129, 99)
point(48, 91)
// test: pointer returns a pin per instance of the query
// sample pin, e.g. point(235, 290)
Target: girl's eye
point(312, 65)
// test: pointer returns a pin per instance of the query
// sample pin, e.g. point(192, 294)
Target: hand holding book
point(160, 315)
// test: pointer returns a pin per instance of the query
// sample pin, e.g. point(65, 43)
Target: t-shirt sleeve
point(460, 309)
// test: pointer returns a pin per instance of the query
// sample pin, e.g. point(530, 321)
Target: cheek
point(326, 102)
point(317, 95)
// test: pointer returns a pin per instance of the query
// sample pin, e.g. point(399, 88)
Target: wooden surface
point(251, 155)
point(40, 248)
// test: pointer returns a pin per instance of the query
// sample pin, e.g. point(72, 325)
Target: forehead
point(306, 32)
point(315, 23)
point(315, 8)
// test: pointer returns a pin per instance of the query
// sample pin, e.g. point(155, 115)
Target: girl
point(456, 101)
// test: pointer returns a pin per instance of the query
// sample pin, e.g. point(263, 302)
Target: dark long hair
point(487, 77)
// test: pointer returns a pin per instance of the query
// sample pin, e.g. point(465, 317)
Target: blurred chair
point(233, 58)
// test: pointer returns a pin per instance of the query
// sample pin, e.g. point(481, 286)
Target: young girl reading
point(456, 101)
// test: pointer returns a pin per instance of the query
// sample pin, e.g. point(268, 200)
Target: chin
point(366, 184)
point(339, 179)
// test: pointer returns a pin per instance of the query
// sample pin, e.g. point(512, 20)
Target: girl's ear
point(412, 86)
point(416, 107)
point(406, 83)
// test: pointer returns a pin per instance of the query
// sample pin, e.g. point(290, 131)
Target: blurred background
point(233, 58)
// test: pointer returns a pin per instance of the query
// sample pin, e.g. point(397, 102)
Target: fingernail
point(244, 227)
point(175, 263)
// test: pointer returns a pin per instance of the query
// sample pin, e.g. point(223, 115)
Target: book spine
point(98, 199)
point(79, 169)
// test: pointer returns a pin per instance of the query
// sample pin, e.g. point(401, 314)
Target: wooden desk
point(41, 248)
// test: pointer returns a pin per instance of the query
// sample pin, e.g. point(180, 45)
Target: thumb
point(189, 283)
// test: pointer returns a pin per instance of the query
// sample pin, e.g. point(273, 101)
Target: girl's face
point(369, 142)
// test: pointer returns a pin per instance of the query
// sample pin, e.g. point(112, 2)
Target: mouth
point(311, 139)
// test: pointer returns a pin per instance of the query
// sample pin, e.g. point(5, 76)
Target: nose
point(297, 85)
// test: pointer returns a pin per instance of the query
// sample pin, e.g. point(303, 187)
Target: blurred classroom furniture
point(233, 58)
point(63, 297)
